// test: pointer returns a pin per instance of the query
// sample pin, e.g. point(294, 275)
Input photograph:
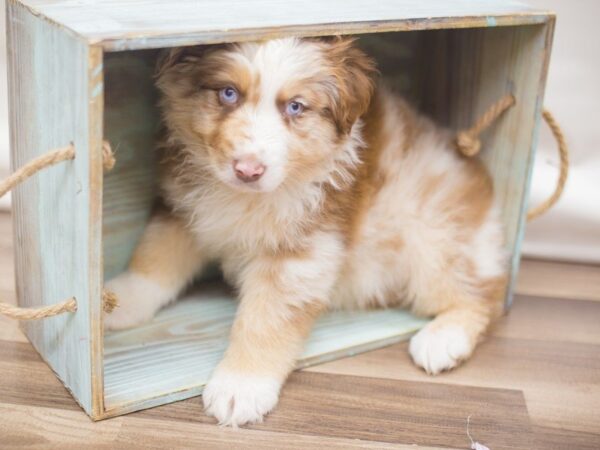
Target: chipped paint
point(97, 89)
point(97, 70)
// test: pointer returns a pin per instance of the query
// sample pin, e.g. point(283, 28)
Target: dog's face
point(260, 115)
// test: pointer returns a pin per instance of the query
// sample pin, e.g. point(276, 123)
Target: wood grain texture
point(556, 322)
point(528, 351)
point(559, 375)
point(314, 408)
point(39, 427)
point(388, 411)
point(181, 434)
point(35, 427)
point(173, 356)
point(547, 438)
point(9, 329)
point(135, 24)
point(25, 376)
point(559, 280)
point(131, 120)
point(56, 214)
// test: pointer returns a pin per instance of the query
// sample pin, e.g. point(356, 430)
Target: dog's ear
point(177, 70)
point(354, 73)
point(167, 59)
point(170, 58)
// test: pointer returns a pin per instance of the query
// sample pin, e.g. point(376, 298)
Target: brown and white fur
point(360, 202)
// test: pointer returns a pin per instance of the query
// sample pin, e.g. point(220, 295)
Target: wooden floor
point(534, 383)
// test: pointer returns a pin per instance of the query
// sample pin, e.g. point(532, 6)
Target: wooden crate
point(81, 72)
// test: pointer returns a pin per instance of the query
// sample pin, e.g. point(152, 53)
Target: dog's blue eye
point(294, 108)
point(229, 95)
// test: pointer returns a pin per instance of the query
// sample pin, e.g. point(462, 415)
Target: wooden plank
point(387, 410)
point(559, 280)
point(175, 434)
point(9, 328)
point(56, 214)
point(131, 121)
point(27, 380)
point(135, 24)
point(172, 357)
point(26, 426)
point(95, 76)
point(546, 318)
point(56, 428)
point(548, 438)
point(560, 379)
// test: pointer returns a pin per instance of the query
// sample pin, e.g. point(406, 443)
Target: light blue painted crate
point(81, 72)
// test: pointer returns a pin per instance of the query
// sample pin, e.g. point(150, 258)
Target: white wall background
point(571, 230)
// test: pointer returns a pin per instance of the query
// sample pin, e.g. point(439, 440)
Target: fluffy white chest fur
point(314, 187)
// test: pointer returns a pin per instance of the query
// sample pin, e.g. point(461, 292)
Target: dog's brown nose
point(248, 170)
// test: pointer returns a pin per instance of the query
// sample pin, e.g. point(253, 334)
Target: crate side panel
point(131, 122)
point(135, 24)
point(56, 247)
point(463, 72)
point(540, 46)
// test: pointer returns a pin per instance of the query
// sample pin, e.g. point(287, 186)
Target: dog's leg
point(164, 262)
point(280, 299)
point(453, 334)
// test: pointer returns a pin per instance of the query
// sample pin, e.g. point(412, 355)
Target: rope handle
point(467, 142)
point(563, 151)
point(109, 300)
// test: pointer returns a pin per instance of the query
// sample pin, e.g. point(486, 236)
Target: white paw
point(235, 399)
point(139, 298)
point(437, 348)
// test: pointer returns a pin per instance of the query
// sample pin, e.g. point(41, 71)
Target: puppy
point(315, 187)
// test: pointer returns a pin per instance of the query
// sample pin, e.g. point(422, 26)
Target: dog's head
point(259, 115)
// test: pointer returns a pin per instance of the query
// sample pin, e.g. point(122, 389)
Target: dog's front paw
point(440, 347)
point(235, 399)
point(138, 297)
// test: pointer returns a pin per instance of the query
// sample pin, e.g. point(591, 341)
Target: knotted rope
point(109, 300)
point(108, 157)
point(467, 142)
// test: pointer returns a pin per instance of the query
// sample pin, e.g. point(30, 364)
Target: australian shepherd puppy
point(315, 187)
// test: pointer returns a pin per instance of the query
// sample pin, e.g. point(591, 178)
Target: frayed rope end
point(109, 301)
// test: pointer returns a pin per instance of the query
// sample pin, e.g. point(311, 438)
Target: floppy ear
point(354, 73)
point(177, 69)
point(167, 59)
point(170, 58)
